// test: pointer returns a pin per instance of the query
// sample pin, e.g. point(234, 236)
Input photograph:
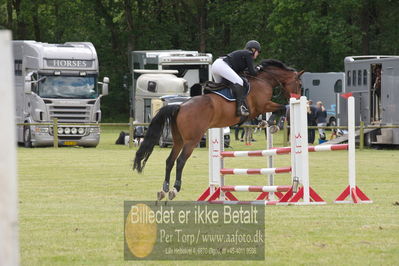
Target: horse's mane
point(275, 63)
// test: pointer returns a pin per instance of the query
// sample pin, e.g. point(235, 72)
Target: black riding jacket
point(241, 60)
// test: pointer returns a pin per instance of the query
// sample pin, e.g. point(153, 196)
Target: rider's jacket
point(241, 60)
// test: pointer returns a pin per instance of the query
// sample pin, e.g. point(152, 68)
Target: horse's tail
point(166, 114)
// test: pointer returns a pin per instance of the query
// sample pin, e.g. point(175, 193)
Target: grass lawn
point(71, 205)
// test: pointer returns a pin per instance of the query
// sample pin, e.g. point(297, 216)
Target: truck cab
point(58, 81)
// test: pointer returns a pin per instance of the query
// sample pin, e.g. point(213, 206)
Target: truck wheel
point(27, 137)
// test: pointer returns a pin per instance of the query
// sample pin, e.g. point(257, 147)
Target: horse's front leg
point(273, 107)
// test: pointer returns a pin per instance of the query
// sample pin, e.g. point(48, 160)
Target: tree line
point(314, 35)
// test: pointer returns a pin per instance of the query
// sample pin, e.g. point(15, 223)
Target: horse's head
point(286, 77)
point(294, 85)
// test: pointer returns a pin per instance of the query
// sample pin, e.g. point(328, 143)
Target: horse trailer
point(57, 81)
point(374, 80)
point(164, 72)
point(322, 87)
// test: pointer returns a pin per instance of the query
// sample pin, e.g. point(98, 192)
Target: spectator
point(287, 118)
point(248, 130)
point(321, 119)
point(311, 110)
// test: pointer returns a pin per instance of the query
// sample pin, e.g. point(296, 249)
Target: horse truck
point(163, 77)
point(323, 87)
point(374, 81)
point(164, 72)
point(57, 81)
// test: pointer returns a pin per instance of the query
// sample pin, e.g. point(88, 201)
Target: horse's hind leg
point(170, 161)
point(181, 161)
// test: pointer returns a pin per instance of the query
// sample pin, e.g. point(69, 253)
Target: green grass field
point(71, 205)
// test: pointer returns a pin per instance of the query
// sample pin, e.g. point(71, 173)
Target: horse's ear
point(300, 73)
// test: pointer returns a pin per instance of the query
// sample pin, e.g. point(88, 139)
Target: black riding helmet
point(253, 45)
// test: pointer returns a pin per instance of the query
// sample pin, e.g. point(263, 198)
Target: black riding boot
point(238, 92)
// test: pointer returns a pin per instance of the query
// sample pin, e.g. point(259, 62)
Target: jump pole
point(9, 248)
point(352, 191)
point(270, 164)
point(299, 165)
point(216, 179)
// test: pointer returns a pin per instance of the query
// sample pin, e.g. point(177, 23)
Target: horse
point(190, 121)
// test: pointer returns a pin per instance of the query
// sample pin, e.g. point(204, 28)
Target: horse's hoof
point(172, 194)
point(274, 129)
point(161, 195)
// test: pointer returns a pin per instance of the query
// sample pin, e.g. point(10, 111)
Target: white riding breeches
point(220, 70)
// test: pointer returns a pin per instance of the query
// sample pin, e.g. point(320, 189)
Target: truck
point(374, 81)
point(57, 81)
point(323, 87)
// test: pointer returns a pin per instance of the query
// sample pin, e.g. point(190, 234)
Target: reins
point(279, 87)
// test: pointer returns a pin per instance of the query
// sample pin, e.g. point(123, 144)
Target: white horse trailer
point(323, 87)
point(187, 69)
point(374, 80)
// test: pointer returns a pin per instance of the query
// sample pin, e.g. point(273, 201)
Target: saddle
point(214, 86)
point(222, 89)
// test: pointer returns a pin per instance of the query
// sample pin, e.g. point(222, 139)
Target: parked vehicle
point(320, 87)
point(374, 80)
point(164, 72)
point(57, 81)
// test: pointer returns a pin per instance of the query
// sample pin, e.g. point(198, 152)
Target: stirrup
point(244, 111)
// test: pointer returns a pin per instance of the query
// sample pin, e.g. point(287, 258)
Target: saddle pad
point(226, 93)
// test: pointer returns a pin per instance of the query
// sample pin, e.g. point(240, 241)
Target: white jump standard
point(218, 193)
point(354, 193)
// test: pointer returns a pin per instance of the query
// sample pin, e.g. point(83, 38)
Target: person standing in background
point(248, 130)
point(321, 119)
point(311, 110)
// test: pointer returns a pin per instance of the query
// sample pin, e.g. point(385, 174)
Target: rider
point(235, 62)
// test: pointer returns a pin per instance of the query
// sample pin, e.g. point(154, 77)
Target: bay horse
point(190, 121)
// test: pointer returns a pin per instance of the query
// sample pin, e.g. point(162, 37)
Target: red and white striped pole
point(259, 171)
point(283, 150)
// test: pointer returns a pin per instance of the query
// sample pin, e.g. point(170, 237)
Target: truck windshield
point(70, 87)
